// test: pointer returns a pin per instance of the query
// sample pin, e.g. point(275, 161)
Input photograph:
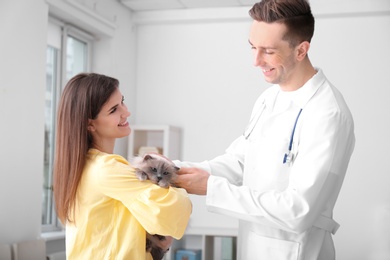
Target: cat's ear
point(147, 157)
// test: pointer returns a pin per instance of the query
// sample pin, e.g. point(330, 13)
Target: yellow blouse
point(114, 209)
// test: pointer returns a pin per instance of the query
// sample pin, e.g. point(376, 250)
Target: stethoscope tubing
point(287, 156)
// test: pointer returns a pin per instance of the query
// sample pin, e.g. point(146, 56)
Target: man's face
point(273, 55)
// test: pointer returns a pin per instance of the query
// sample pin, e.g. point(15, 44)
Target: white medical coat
point(285, 211)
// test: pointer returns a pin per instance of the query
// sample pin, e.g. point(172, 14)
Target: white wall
point(197, 74)
point(22, 85)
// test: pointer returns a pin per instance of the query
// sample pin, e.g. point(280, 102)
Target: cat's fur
point(162, 172)
point(155, 168)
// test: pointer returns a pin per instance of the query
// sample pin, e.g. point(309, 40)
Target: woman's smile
point(124, 123)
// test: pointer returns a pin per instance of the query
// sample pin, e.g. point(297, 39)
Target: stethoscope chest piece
point(288, 157)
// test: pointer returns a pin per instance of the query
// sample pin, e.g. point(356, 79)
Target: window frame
point(71, 31)
point(54, 224)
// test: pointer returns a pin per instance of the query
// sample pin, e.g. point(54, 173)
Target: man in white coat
point(282, 177)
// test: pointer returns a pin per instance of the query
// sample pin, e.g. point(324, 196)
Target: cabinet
point(214, 235)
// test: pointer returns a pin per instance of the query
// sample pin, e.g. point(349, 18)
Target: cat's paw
point(141, 175)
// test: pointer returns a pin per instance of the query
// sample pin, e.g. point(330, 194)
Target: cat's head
point(159, 170)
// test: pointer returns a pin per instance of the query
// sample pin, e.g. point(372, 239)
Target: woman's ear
point(302, 50)
point(91, 126)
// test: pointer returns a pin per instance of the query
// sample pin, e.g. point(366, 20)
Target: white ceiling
point(147, 5)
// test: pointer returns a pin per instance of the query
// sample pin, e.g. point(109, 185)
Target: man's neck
point(303, 73)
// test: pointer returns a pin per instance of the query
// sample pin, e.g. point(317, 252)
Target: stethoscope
point(289, 156)
point(253, 122)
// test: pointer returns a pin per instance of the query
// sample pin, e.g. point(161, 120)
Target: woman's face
point(111, 122)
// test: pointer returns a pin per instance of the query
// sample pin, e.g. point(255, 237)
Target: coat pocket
point(270, 248)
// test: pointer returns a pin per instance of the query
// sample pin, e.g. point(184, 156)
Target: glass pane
point(50, 111)
point(76, 57)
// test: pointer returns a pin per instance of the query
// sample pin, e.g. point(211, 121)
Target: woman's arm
point(163, 211)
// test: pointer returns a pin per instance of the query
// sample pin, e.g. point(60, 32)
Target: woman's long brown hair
point(82, 99)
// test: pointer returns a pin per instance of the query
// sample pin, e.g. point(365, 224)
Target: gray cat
point(155, 168)
point(162, 172)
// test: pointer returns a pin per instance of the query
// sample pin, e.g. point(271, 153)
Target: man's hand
point(193, 180)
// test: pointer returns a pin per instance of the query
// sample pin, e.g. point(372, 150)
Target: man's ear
point(302, 50)
point(90, 127)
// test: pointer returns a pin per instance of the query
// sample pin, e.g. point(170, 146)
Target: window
point(63, 41)
point(76, 56)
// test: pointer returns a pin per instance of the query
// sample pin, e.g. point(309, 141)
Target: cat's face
point(159, 170)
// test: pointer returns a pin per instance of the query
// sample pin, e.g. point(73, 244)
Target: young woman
point(106, 209)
